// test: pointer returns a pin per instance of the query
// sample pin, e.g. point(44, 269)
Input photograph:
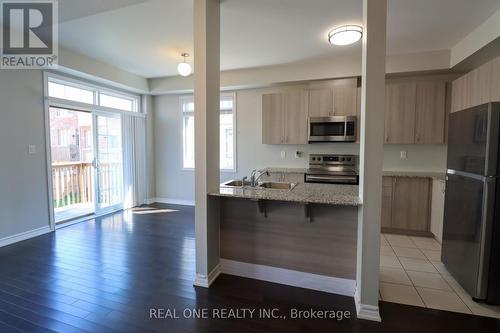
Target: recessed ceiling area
point(147, 37)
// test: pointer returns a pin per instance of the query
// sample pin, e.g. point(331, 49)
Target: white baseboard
point(365, 311)
point(204, 280)
point(24, 236)
point(149, 201)
point(173, 201)
point(289, 277)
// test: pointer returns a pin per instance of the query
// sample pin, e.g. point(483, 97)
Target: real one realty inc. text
point(246, 313)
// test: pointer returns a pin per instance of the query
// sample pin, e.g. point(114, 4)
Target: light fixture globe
point(345, 35)
point(184, 68)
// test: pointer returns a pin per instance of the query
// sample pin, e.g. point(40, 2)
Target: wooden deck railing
point(73, 183)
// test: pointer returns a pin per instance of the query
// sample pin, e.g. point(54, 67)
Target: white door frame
point(48, 102)
point(99, 211)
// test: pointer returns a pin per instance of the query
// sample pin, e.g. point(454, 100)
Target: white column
point(371, 158)
point(206, 101)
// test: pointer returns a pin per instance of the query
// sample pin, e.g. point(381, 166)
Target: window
point(89, 94)
point(116, 102)
point(227, 132)
point(64, 137)
point(72, 93)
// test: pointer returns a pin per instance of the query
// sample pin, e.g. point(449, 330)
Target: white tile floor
point(411, 272)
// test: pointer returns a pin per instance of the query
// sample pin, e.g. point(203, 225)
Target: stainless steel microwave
point(332, 129)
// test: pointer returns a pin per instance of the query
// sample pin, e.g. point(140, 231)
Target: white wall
point(23, 177)
point(326, 67)
point(174, 183)
point(24, 204)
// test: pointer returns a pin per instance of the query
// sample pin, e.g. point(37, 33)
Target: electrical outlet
point(283, 154)
point(31, 149)
point(403, 155)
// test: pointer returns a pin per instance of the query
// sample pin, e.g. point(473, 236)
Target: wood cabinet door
point(400, 113)
point(495, 81)
point(345, 101)
point(482, 84)
point(430, 112)
point(272, 119)
point(386, 221)
point(295, 115)
point(458, 91)
point(321, 102)
point(410, 204)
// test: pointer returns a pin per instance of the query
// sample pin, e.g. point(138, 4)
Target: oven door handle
point(330, 179)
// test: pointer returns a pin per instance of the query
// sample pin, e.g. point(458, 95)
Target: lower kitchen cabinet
point(406, 203)
point(387, 202)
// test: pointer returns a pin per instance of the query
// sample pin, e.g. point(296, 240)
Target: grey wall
point(23, 177)
point(174, 183)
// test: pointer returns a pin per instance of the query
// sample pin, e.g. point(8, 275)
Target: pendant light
point(184, 68)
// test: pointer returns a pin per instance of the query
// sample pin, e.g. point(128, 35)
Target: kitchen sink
point(277, 186)
point(264, 185)
point(236, 183)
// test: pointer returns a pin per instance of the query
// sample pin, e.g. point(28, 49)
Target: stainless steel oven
point(332, 129)
point(332, 169)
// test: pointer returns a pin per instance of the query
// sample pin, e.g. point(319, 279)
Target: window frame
point(96, 89)
point(190, 97)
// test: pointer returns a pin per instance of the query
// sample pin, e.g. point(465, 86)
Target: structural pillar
point(371, 158)
point(206, 115)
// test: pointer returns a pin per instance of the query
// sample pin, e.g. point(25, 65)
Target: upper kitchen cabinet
point(430, 113)
point(272, 119)
point(344, 101)
point(477, 87)
point(284, 118)
point(415, 111)
point(458, 94)
point(333, 98)
point(400, 106)
point(321, 102)
point(295, 117)
point(495, 80)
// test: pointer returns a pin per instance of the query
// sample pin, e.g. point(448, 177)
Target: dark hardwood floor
point(105, 275)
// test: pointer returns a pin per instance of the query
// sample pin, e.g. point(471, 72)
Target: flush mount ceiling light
point(184, 68)
point(345, 35)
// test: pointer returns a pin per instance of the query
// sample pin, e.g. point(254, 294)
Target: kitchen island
point(305, 236)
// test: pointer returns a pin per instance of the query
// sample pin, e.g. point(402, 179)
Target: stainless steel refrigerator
point(471, 235)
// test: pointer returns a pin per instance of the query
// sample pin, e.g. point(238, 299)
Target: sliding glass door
point(72, 153)
point(109, 162)
point(87, 163)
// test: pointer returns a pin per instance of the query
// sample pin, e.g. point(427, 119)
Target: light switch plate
point(31, 149)
point(283, 154)
point(403, 155)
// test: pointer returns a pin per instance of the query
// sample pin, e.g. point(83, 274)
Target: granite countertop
point(422, 174)
point(342, 195)
point(287, 170)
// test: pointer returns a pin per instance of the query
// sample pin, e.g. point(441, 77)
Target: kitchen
point(279, 145)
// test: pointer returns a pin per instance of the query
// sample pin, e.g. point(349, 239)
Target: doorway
point(87, 163)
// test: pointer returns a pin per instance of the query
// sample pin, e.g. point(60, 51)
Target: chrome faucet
point(253, 179)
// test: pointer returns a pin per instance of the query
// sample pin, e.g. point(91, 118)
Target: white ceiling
point(146, 37)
